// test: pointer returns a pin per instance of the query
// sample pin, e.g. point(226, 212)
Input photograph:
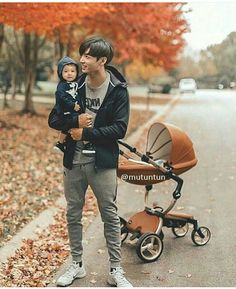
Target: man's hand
point(85, 120)
point(76, 133)
point(77, 107)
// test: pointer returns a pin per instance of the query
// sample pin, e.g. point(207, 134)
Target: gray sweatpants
point(104, 185)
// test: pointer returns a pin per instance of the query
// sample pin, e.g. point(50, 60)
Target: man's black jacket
point(110, 123)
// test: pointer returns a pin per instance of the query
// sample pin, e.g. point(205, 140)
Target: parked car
point(187, 85)
point(152, 88)
point(166, 88)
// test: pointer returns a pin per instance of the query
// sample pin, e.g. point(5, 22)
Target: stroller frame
point(149, 246)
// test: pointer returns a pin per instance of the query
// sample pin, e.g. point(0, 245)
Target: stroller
point(169, 153)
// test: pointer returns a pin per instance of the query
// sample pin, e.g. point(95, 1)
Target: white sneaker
point(72, 273)
point(117, 278)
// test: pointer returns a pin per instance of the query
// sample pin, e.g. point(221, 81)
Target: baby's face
point(69, 72)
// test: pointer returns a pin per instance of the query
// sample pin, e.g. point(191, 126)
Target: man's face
point(90, 64)
point(69, 72)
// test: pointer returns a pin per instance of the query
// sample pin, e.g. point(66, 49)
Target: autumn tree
point(188, 68)
point(149, 32)
point(216, 64)
point(223, 57)
point(38, 22)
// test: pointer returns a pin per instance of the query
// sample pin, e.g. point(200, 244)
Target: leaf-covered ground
point(31, 181)
point(34, 263)
point(30, 178)
point(30, 171)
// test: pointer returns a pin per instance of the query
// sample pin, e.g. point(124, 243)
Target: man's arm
point(118, 129)
point(57, 122)
point(65, 124)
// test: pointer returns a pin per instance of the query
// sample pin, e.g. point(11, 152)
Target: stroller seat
point(143, 222)
point(139, 173)
point(164, 142)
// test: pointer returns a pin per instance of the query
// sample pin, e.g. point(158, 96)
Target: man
point(104, 99)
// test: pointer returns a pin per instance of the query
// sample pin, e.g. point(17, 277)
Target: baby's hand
point(77, 107)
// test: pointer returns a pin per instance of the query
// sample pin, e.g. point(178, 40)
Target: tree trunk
point(30, 59)
point(123, 65)
point(13, 82)
point(6, 87)
point(1, 36)
point(70, 43)
point(5, 103)
point(61, 49)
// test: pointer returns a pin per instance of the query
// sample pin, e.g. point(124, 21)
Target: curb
point(42, 221)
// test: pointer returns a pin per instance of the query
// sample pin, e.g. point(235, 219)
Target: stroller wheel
point(201, 236)
point(124, 230)
point(181, 231)
point(149, 247)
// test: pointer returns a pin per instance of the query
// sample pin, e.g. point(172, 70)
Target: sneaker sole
point(76, 277)
point(111, 282)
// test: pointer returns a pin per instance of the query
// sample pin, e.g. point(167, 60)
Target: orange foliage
point(138, 71)
point(44, 18)
point(150, 32)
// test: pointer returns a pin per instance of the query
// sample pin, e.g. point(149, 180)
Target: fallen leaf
point(101, 251)
point(186, 276)
point(160, 278)
point(145, 272)
point(208, 211)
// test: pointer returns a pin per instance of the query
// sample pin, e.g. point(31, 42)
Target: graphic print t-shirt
point(94, 100)
point(95, 96)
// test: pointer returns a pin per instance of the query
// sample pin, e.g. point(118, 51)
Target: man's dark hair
point(98, 47)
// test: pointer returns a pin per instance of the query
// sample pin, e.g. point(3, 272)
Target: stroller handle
point(167, 172)
point(130, 148)
point(143, 157)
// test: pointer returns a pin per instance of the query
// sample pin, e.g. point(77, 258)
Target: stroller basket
point(166, 144)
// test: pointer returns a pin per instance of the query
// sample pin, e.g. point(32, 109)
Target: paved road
point(208, 193)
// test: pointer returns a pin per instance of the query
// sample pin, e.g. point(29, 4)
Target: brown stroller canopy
point(170, 143)
point(164, 142)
